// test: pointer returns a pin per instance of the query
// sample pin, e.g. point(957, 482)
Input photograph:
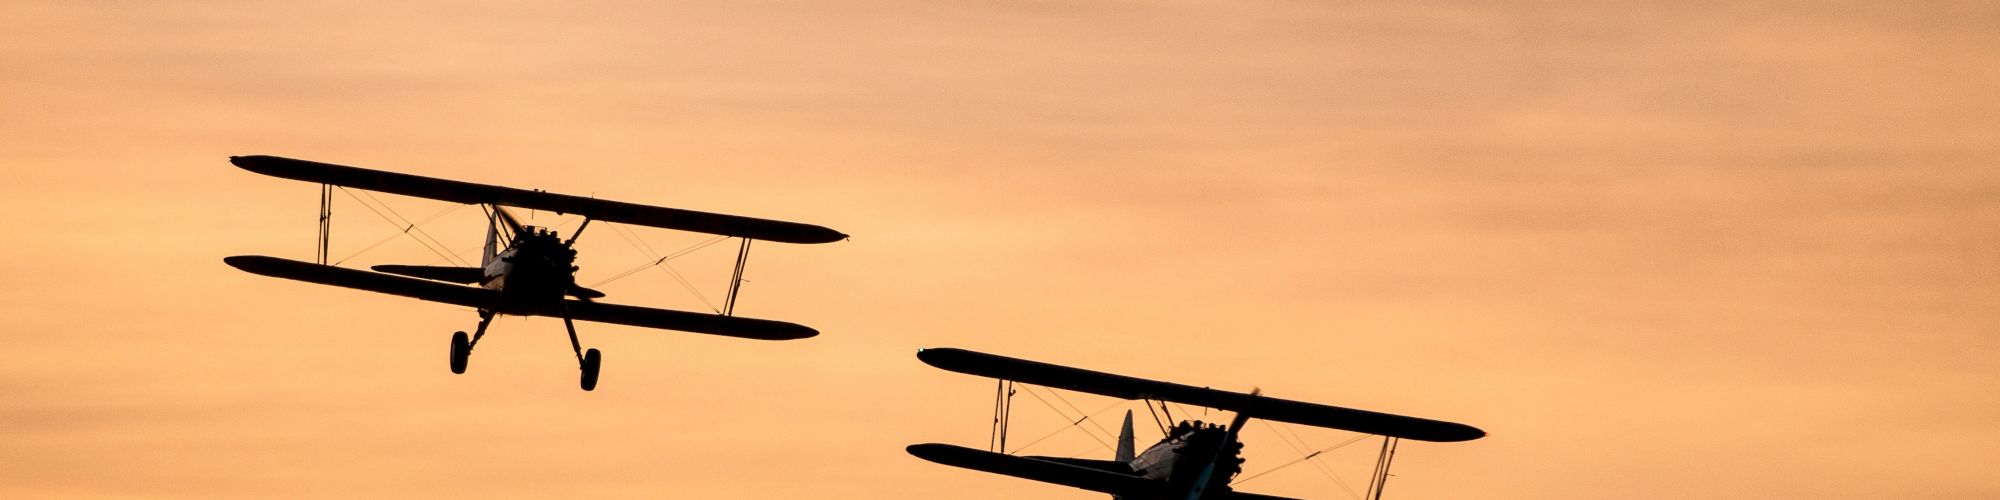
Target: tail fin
point(1125, 448)
point(492, 240)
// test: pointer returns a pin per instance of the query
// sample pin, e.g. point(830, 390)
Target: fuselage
point(533, 274)
point(1179, 459)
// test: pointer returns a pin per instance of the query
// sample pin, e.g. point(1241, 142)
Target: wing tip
point(814, 235)
point(785, 330)
point(939, 356)
point(940, 453)
point(247, 161)
point(258, 264)
point(1464, 433)
point(274, 166)
point(804, 332)
point(930, 452)
point(1445, 432)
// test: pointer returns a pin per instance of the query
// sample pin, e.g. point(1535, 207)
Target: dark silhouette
point(526, 270)
point(1195, 459)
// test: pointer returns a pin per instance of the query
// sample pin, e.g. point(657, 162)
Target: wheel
point(461, 349)
point(591, 360)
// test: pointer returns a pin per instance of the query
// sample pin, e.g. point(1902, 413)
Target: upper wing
point(1040, 470)
point(1120, 386)
point(363, 280)
point(481, 298)
point(604, 210)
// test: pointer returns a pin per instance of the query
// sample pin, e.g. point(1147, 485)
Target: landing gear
point(461, 347)
point(591, 360)
point(586, 361)
point(460, 350)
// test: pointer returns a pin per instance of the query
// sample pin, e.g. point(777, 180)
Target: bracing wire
point(622, 232)
point(1298, 444)
point(418, 227)
point(1045, 402)
point(377, 243)
point(1074, 424)
point(1301, 448)
point(1093, 423)
point(642, 244)
point(399, 226)
point(689, 285)
point(1322, 467)
point(566, 221)
point(1185, 414)
point(1309, 456)
point(661, 262)
point(655, 262)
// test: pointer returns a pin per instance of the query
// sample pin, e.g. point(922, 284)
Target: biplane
point(525, 270)
point(1194, 461)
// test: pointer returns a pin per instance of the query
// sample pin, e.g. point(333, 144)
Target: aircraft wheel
point(461, 349)
point(591, 360)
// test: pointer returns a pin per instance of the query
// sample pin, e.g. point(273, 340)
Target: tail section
point(1125, 447)
point(1126, 451)
point(492, 241)
point(494, 222)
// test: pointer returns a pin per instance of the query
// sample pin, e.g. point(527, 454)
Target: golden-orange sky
point(1659, 250)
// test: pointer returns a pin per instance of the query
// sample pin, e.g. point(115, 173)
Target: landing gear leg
point(587, 361)
point(461, 348)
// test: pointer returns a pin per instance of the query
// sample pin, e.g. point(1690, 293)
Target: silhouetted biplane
point(1194, 461)
point(526, 270)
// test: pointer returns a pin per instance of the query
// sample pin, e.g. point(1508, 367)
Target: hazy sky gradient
point(1658, 250)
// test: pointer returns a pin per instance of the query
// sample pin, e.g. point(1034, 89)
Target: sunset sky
point(1665, 250)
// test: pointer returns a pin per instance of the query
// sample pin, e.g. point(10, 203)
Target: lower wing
point(1039, 470)
point(712, 324)
point(481, 298)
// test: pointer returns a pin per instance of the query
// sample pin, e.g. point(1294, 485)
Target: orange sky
point(1658, 251)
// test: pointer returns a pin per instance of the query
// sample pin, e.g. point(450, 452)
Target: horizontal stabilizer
point(1126, 485)
point(1238, 495)
point(1120, 386)
point(596, 209)
point(448, 274)
point(363, 280)
point(584, 293)
point(1112, 466)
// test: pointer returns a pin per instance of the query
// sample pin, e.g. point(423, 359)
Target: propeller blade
point(513, 225)
point(1209, 473)
point(578, 233)
point(1242, 417)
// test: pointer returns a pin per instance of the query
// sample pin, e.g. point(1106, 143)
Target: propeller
point(514, 228)
point(579, 232)
point(1203, 481)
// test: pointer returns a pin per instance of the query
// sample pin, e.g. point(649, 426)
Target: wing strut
point(1381, 478)
point(1156, 415)
point(736, 281)
point(325, 221)
point(1003, 414)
